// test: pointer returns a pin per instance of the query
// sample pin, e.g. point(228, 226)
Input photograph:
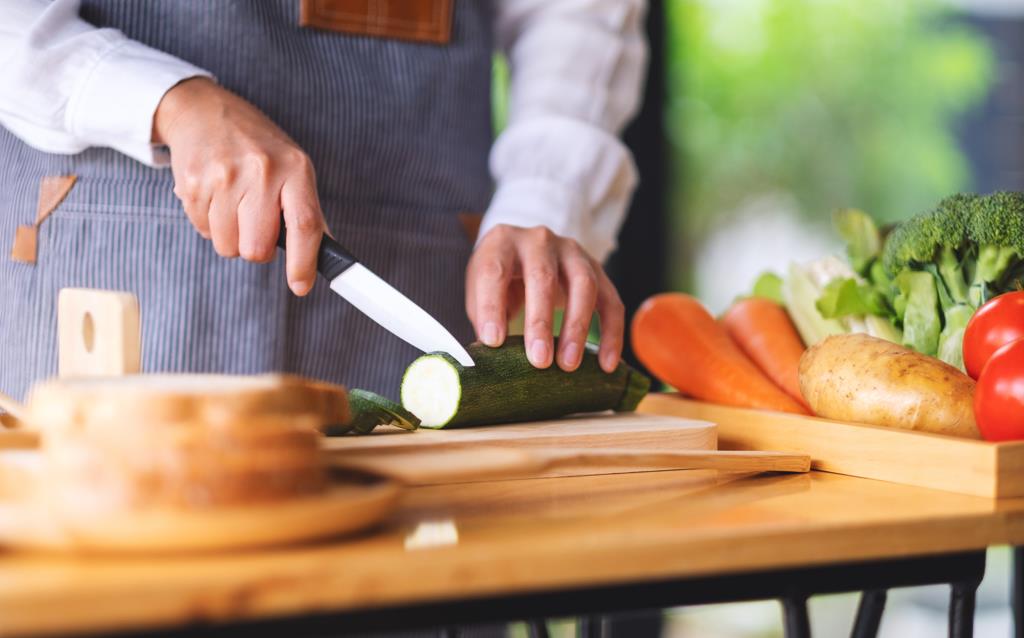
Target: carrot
point(679, 341)
point(765, 333)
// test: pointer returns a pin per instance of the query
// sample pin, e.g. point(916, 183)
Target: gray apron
point(398, 132)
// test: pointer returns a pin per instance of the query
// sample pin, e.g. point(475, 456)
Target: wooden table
point(492, 551)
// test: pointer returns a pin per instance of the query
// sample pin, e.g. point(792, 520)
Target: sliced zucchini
point(504, 387)
point(370, 410)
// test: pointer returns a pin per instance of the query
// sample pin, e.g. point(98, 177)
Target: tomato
point(996, 323)
point(999, 395)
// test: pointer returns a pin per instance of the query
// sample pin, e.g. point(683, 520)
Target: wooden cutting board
point(438, 466)
point(593, 431)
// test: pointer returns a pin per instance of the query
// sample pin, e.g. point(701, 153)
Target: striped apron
point(398, 132)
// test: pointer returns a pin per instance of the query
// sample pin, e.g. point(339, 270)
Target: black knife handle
point(331, 261)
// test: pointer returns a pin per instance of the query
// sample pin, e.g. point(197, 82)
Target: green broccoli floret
point(912, 242)
point(936, 237)
point(997, 230)
point(917, 240)
point(972, 247)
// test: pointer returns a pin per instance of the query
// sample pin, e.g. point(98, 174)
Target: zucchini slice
point(504, 387)
point(370, 410)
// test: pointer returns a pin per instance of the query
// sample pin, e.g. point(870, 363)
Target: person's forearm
point(576, 75)
point(563, 177)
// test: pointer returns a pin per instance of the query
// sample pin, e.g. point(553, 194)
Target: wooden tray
point(901, 456)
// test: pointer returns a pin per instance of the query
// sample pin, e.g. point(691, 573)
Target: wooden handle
point(680, 460)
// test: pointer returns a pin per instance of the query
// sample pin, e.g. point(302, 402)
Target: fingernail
point(489, 335)
point(539, 353)
point(571, 355)
point(609, 362)
point(300, 287)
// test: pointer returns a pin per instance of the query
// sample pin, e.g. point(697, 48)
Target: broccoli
point(997, 231)
point(972, 248)
point(936, 237)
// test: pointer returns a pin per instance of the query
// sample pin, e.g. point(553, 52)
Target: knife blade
point(382, 302)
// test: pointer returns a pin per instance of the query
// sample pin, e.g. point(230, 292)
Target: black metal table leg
point(590, 627)
point(1017, 591)
point(961, 609)
point(869, 614)
point(795, 619)
point(537, 629)
point(642, 624)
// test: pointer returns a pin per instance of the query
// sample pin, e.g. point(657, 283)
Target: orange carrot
point(764, 332)
point(679, 341)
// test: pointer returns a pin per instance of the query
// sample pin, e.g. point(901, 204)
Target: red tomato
point(999, 395)
point(996, 323)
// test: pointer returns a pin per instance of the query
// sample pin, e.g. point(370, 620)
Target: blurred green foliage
point(499, 92)
point(835, 102)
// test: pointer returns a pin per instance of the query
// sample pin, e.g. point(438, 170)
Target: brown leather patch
point(52, 191)
point(471, 224)
point(24, 249)
point(428, 21)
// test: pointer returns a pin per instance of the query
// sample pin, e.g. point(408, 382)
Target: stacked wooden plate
point(182, 462)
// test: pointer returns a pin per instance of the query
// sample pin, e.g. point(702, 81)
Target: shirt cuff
point(532, 201)
point(115, 102)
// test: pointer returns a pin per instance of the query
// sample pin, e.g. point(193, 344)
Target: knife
point(380, 301)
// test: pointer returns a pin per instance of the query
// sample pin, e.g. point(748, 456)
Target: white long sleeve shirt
point(576, 66)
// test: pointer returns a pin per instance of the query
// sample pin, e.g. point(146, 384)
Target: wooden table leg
point(795, 619)
point(869, 614)
point(961, 609)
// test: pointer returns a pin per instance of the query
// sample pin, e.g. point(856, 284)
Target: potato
point(862, 379)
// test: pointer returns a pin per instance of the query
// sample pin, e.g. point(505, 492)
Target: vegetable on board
point(862, 379)
point(999, 397)
point(370, 410)
point(504, 387)
point(683, 345)
point(764, 332)
point(826, 297)
point(972, 248)
point(995, 324)
point(800, 295)
point(918, 285)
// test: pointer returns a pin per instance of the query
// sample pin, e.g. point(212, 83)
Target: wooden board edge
point(861, 450)
point(705, 437)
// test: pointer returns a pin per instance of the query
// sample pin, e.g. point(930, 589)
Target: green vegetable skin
point(503, 387)
point(370, 410)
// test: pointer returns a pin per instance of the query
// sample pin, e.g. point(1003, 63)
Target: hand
point(511, 265)
point(235, 172)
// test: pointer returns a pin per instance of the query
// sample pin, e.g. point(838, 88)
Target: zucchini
point(504, 387)
point(370, 410)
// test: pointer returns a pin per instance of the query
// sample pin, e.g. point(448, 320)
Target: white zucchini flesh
point(432, 390)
